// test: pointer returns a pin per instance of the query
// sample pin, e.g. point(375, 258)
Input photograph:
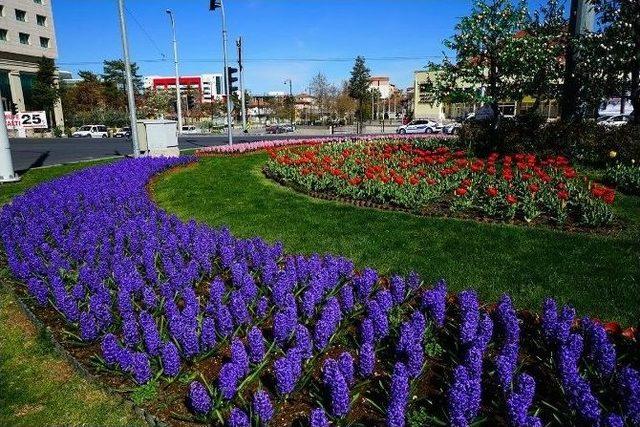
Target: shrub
point(626, 178)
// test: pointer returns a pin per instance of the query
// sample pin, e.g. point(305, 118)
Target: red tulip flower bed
point(427, 178)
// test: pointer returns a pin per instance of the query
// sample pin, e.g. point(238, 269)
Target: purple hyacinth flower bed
point(198, 326)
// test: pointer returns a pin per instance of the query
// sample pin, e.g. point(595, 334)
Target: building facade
point(383, 84)
point(210, 86)
point(26, 35)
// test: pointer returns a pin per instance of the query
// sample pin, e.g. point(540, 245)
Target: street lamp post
point(290, 83)
point(7, 174)
point(127, 70)
point(175, 61)
point(213, 5)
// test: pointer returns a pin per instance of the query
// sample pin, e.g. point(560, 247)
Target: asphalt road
point(35, 152)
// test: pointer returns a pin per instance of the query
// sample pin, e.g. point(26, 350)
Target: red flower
point(461, 191)
point(414, 180)
point(431, 181)
point(511, 199)
point(465, 183)
point(356, 180)
point(492, 192)
point(534, 188)
point(613, 328)
point(398, 180)
point(563, 195)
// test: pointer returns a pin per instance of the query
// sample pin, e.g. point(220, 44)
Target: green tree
point(359, 85)
point(113, 74)
point(489, 65)
point(45, 88)
point(609, 63)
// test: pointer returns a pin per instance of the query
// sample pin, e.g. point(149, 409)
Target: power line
point(144, 31)
point(194, 60)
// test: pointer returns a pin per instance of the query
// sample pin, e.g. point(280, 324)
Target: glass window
point(5, 90)
point(21, 15)
point(3, 35)
point(41, 20)
point(44, 42)
point(24, 38)
point(1, 10)
point(26, 81)
point(38, 1)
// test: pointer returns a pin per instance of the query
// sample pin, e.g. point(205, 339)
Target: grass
point(597, 274)
point(37, 387)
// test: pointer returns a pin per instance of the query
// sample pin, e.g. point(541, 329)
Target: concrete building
point(26, 35)
point(383, 84)
point(211, 86)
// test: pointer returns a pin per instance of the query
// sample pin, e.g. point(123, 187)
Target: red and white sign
point(27, 120)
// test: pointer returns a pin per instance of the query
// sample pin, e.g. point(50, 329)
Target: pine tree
point(359, 85)
point(45, 89)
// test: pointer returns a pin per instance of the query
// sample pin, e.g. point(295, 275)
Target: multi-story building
point(382, 83)
point(26, 35)
point(210, 86)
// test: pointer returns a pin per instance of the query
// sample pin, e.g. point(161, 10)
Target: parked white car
point(91, 131)
point(419, 126)
point(190, 130)
point(614, 121)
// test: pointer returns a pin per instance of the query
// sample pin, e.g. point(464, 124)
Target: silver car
point(419, 126)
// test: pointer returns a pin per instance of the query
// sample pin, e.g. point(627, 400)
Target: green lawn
point(37, 387)
point(598, 275)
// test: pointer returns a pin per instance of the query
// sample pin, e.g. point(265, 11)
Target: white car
point(614, 121)
point(123, 133)
point(190, 130)
point(419, 126)
point(91, 131)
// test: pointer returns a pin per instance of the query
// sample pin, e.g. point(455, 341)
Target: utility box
point(158, 138)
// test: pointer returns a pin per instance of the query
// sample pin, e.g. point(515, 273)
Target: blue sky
point(278, 36)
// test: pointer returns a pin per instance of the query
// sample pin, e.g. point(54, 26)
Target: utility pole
point(127, 70)
point(175, 62)
point(7, 174)
point(581, 20)
point(213, 5)
point(293, 104)
point(241, 71)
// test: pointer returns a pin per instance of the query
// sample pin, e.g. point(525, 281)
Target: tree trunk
point(635, 95)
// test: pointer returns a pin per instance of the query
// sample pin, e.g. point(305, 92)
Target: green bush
point(626, 178)
point(584, 141)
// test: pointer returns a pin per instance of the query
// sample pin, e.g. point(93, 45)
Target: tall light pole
point(213, 5)
point(241, 71)
point(175, 62)
point(127, 70)
point(7, 173)
point(293, 104)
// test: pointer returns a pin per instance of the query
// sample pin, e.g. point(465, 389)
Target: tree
point(114, 74)
point(323, 92)
point(610, 56)
point(45, 88)
point(155, 104)
point(344, 105)
point(489, 63)
point(359, 85)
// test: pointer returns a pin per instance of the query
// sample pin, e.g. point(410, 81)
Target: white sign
point(28, 120)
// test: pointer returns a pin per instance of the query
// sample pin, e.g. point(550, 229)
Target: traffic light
point(14, 108)
point(214, 4)
point(191, 101)
point(232, 79)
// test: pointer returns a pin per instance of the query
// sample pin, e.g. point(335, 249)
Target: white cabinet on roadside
point(158, 138)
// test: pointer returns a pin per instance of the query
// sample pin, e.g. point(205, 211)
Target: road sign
point(27, 120)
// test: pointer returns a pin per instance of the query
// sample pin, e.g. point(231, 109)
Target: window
point(1, 10)
point(3, 35)
point(44, 42)
point(41, 20)
point(21, 15)
point(38, 1)
point(24, 38)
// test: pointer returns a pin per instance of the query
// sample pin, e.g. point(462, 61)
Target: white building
point(383, 84)
point(26, 35)
point(211, 86)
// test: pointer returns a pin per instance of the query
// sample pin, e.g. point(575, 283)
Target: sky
point(283, 39)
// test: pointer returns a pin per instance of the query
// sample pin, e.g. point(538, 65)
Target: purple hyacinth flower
point(141, 367)
point(398, 289)
point(346, 364)
point(434, 303)
point(613, 420)
point(318, 418)
point(367, 334)
point(304, 343)
point(385, 300)
point(228, 380)
point(347, 299)
point(199, 399)
point(238, 418)
point(170, 359)
point(413, 281)
point(150, 334)
point(110, 349)
point(38, 290)
point(239, 310)
point(399, 396)
point(208, 333)
point(519, 403)
point(458, 398)
point(337, 386)
point(469, 316)
point(367, 360)
point(628, 388)
point(600, 350)
point(257, 348)
point(240, 357)
point(285, 377)
point(88, 327)
point(224, 321)
point(262, 307)
point(262, 406)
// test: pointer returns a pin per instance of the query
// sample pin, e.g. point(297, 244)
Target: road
point(35, 152)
